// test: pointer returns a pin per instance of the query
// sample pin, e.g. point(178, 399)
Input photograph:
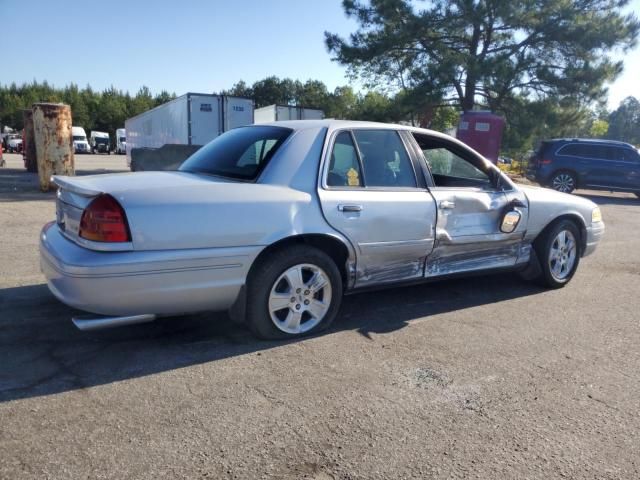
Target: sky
point(189, 45)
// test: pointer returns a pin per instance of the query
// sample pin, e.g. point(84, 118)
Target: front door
point(370, 194)
point(470, 211)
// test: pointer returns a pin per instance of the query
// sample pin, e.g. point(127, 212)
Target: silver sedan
point(276, 222)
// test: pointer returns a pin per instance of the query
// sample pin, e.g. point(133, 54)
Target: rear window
point(241, 153)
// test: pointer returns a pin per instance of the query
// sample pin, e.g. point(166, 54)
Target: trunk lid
point(75, 194)
point(179, 210)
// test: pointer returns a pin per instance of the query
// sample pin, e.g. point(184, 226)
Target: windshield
point(79, 138)
point(241, 153)
point(122, 139)
point(102, 140)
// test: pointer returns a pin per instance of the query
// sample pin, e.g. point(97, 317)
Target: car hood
point(541, 194)
point(545, 205)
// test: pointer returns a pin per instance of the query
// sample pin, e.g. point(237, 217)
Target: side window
point(572, 149)
point(384, 159)
point(625, 154)
point(600, 152)
point(344, 168)
point(448, 167)
point(631, 155)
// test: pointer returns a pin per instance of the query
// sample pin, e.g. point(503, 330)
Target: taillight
point(544, 161)
point(104, 221)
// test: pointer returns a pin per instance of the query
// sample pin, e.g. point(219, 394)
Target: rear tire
point(563, 181)
point(558, 251)
point(294, 292)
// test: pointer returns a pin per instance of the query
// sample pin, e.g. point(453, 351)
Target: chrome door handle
point(446, 204)
point(350, 208)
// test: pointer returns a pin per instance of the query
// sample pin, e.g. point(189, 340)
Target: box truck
point(121, 141)
point(279, 113)
point(192, 120)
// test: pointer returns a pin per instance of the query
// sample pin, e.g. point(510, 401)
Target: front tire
point(558, 251)
point(564, 182)
point(294, 292)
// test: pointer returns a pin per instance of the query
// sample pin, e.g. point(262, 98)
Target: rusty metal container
point(54, 141)
point(29, 145)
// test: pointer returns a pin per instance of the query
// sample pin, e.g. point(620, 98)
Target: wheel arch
point(334, 246)
point(577, 220)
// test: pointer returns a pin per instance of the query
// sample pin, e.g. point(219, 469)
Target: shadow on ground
point(42, 353)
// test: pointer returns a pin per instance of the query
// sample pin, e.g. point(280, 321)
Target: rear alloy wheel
point(564, 182)
point(559, 253)
point(300, 298)
point(294, 292)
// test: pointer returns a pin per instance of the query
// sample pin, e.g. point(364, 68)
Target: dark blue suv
point(570, 163)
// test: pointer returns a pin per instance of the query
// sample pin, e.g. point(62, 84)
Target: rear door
point(370, 193)
point(237, 112)
point(627, 168)
point(470, 211)
point(204, 119)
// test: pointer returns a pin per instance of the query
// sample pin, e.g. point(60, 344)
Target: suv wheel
point(564, 182)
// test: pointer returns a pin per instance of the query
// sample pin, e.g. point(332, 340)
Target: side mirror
point(510, 221)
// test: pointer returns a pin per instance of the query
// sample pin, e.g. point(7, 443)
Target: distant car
point(570, 163)
point(3, 162)
point(14, 143)
point(276, 221)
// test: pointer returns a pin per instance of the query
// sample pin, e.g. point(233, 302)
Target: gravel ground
point(488, 377)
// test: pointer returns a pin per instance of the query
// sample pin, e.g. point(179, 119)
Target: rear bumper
point(594, 234)
point(134, 283)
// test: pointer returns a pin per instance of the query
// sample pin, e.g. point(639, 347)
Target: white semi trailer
point(192, 119)
point(279, 113)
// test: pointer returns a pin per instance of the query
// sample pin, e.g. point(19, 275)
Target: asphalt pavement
point(488, 377)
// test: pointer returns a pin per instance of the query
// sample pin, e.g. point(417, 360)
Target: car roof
point(333, 124)
point(591, 141)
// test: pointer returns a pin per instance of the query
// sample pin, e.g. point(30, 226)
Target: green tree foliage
point(342, 103)
point(624, 122)
point(599, 128)
point(485, 52)
point(103, 111)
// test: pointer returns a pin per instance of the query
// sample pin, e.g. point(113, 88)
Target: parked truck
point(80, 143)
point(279, 113)
point(121, 141)
point(99, 142)
point(164, 136)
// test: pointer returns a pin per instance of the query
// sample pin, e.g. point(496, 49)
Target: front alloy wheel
point(558, 250)
point(562, 255)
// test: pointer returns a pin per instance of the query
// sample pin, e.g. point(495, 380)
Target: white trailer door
point(205, 118)
point(237, 112)
point(283, 114)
